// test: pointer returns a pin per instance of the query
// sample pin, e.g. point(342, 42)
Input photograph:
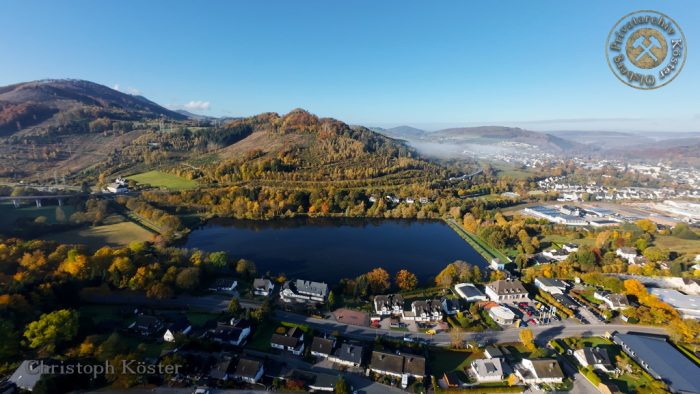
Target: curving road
point(542, 333)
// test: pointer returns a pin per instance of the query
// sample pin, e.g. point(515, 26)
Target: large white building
point(506, 290)
point(469, 292)
point(687, 305)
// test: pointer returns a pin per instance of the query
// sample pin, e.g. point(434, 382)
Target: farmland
point(164, 180)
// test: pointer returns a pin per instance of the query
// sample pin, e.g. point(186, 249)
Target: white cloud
point(129, 90)
point(197, 105)
point(116, 87)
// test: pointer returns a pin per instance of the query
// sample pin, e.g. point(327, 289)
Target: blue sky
point(536, 64)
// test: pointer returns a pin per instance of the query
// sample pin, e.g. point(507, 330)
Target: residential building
point(322, 347)
point(488, 370)
point(248, 370)
point(615, 302)
point(291, 341)
point(551, 286)
point(224, 285)
point(263, 287)
point(304, 291)
point(469, 292)
point(627, 253)
point(223, 369)
point(450, 306)
point(452, 380)
point(391, 304)
point(147, 325)
point(497, 264)
point(662, 361)
point(502, 315)
point(424, 311)
point(323, 382)
point(231, 334)
point(179, 327)
point(687, 305)
point(536, 371)
point(348, 354)
point(565, 300)
point(506, 290)
point(596, 357)
point(570, 248)
point(493, 352)
point(555, 254)
point(397, 365)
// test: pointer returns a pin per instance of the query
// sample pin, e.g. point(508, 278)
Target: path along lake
point(324, 249)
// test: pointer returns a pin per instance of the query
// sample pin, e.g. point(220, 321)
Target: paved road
point(542, 333)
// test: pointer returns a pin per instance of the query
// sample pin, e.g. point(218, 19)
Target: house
point(566, 301)
point(506, 290)
point(391, 304)
point(323, 382)
point(322, 347)
point(555, 254)
point(119, 186)
point(497, 264)
point(424, 311)
point(28, 374)
point(291, 341)
point(223, 369)
point(231, 334)
point(627, 253)
point(544, 370)
point(147, 325)
point(596, 357)
point(348, 354)
point(662, 361)
point(570, 248)
point(687, 305)
point(423, 200)
point(469, 292)
point(493, 352)
point(450, 306)
point(180, 327)
point(263, 287)
point(613, 301)
point(452, 380)
point(223, 285)
point(551, 286)
point(248, 370)
point(304, 291)
point(502, 315)
point(397, 365)
point(488, 370)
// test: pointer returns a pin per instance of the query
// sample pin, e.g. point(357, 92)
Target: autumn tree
point(406, 280)
point(378, 280)
point(245, 267)
point(528, 339)
point(52, 329)
point(234, 306)
point(188, 278)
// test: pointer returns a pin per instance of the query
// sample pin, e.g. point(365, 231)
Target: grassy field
point(478, 244)
point(442, 361)
point(682, 246)
point(9, 214)
point(559, 240)
point(162, 179)
point(115, 232)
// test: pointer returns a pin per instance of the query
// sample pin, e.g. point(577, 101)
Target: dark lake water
point(331, 249)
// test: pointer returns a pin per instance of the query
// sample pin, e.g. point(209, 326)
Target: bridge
point(37, 199)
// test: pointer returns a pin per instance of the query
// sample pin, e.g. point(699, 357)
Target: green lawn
point(441, 361)
point(115, 232)
point(9, 214)
point(162, 179)
point(261, 337)
point(680, 245)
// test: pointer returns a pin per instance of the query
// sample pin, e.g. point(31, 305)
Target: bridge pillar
point(60, 202)
point(38, 203)
point(15, 203)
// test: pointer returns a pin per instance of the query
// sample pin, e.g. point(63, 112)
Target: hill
point(498, 135)
point(401, 132)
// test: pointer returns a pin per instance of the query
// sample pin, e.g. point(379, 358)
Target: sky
point(539, 65)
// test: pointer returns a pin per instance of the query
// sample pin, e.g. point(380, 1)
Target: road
point(542, 333)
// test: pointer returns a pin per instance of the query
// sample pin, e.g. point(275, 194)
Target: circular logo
point(646, 49)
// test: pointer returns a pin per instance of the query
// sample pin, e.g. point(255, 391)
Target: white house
point(291, 341)
point(391, 304)
point(304, 291)
point(263, 287)
point(596, 357)
point(551, 286)
point(506, 290)
point(570, 248)
point(424, 311)
point(502, 315)
point(613, 301)
point(469, 292)
point(180, 327)
point(556, 254)
point(248, 370)
point(546, 370)
point(627, 253)
point(28, 374)
point(488, 370)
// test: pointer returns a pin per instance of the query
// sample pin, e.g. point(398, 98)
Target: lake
point(328, 249)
